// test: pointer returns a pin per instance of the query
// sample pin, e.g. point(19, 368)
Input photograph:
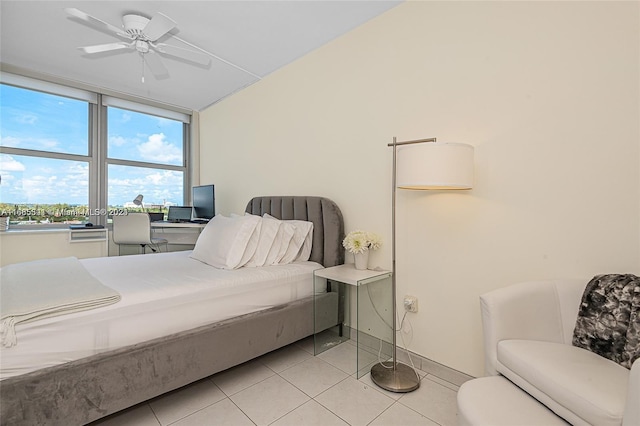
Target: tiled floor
point(292, 387)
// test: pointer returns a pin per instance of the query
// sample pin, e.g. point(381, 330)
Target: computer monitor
point(204, 201)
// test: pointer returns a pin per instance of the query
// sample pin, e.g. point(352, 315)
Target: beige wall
point(25, 245)
point(548, 94)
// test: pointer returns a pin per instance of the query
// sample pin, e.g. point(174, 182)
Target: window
point(44, 122)
point(57, 167)
point(142, 137)
point(146, 156)
point(38, 180)
point(45, 154)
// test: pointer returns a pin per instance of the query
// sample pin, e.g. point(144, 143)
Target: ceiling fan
point(142, 35)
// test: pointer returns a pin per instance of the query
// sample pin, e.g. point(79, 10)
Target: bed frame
point(81, 391)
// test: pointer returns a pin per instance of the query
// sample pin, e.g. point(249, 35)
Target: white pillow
point(302, 233)
point(281, 242)
point(252, 245)
point(225, 242)
point(268, 231)
point(305, 228)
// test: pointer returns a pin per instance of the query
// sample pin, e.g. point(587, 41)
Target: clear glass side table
point(352, 304)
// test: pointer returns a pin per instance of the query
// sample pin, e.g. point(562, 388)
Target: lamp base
point(400, 379)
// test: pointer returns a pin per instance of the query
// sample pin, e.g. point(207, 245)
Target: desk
point(177, 234)
point(373, 313)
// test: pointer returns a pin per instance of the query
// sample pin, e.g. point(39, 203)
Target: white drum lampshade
point(435, 165)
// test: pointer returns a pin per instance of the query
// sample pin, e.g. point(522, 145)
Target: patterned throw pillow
point(609, 318)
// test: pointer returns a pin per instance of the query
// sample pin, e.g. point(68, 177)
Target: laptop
point(179, 214)
point(156, 217)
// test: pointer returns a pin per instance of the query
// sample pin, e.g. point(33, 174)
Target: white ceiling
point(257, 36)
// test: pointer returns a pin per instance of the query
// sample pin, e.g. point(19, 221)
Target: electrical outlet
point(411, 304)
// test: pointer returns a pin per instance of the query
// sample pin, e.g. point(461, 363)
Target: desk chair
point(135, 228)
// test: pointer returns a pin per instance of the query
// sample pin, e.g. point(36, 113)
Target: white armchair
point(528, 331)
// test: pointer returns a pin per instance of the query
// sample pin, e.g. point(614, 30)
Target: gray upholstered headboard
point(328, 226)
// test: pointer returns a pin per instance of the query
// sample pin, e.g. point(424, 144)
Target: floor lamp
point(426, 165)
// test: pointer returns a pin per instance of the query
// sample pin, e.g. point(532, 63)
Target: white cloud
point(26, 118)
point(117, 140)
point(30, 143)
point(11, 141)
point(161, 177)
point(115, 182)
point(157, 186)
point(157, 149)
point(50, 185)
point(10, 164)
point(164, 177)
point(46, 144)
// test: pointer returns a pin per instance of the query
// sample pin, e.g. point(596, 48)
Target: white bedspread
point(45, 288)
point(161, 294)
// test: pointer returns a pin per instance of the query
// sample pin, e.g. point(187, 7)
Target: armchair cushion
point(608, 321)
point(563, 376)
point(495, 401)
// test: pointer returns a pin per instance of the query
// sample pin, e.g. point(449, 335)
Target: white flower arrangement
point(361, 241)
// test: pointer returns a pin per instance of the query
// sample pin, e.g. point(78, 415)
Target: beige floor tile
point(443, 382)
point(180, 403)
point(140, 415)
point(342, 356)
point(365, 361)
point(269, 400)
point(434, 401)
point(223, 413)
point(400, 415)
point(284, 358)
point(241, 377)
point(306, 344)
point(355, 402)
point(313, 376)
point(310, 414)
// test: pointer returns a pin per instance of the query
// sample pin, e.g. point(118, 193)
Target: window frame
point(97, 154)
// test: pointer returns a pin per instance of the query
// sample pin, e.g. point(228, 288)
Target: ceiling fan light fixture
point(142, 46)
point(134, 24)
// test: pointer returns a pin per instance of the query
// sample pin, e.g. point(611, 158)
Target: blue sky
point(40, 121)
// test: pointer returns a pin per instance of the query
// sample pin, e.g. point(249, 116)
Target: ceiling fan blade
point(106, 47)
point(97, 23)
point(180, 52)
point(155, 64)
point(158, 26)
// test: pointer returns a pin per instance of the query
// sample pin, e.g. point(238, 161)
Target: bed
point(124, 372)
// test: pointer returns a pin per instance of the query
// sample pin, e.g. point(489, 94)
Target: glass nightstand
point(343, 290)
